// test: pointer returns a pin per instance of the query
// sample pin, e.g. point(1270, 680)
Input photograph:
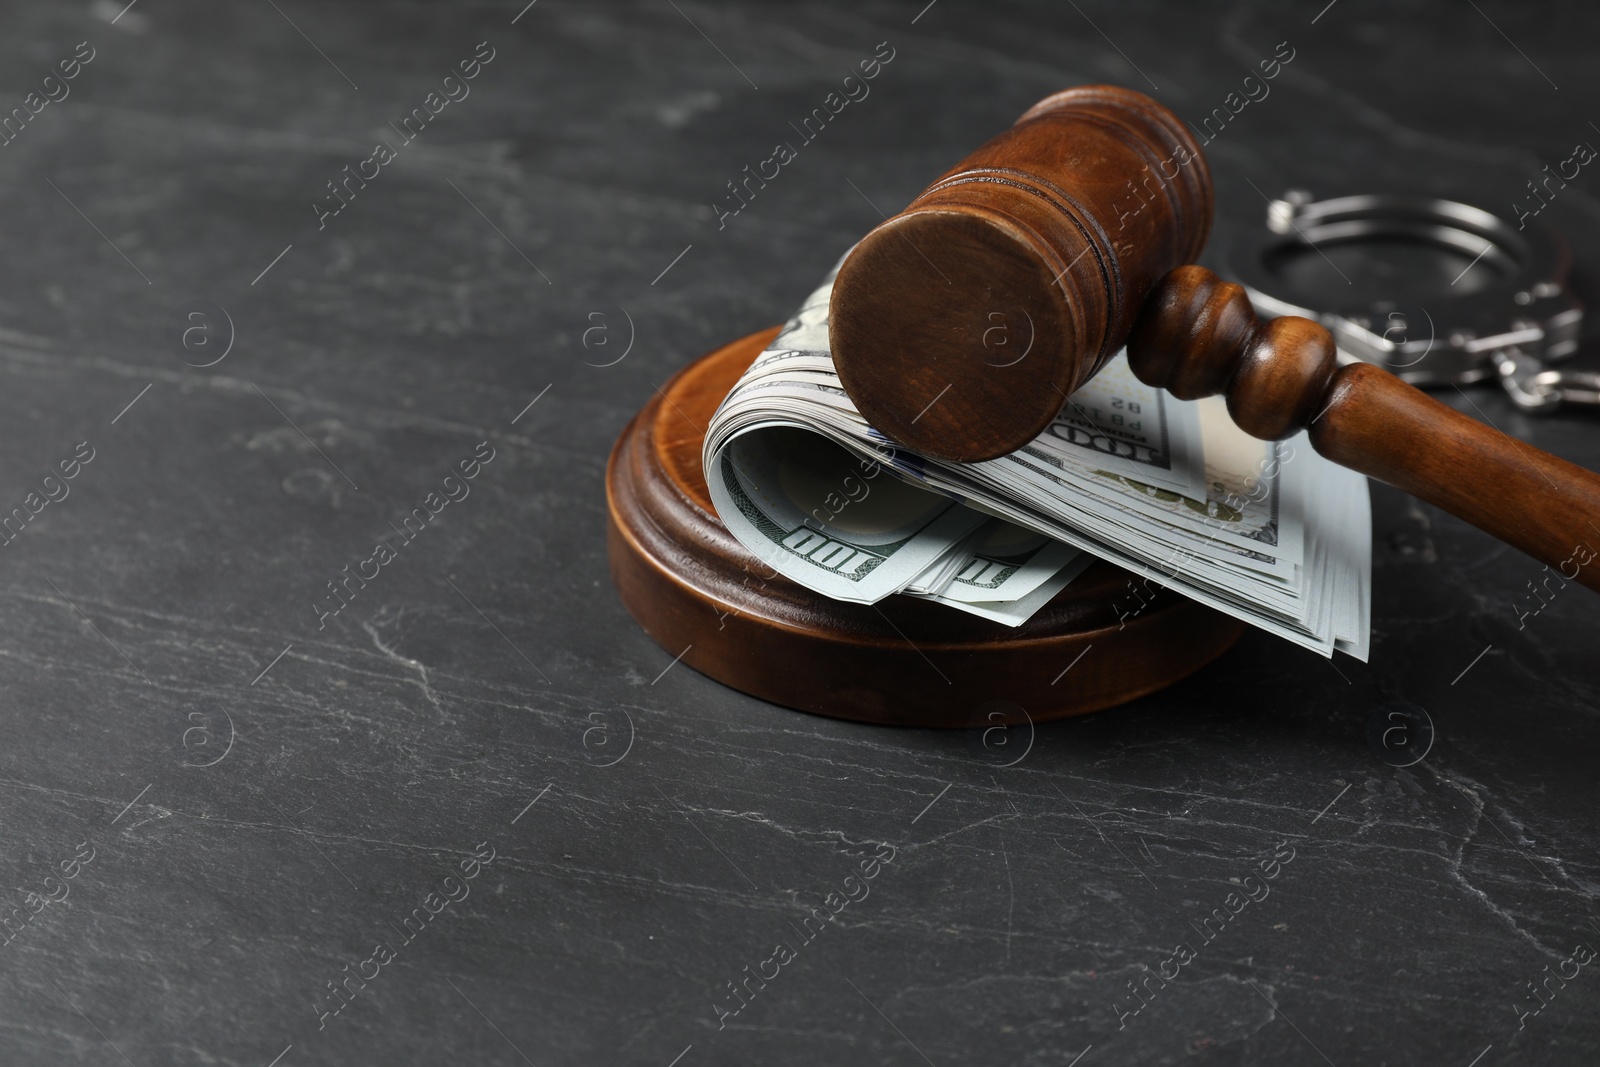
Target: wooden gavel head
point(961, 325)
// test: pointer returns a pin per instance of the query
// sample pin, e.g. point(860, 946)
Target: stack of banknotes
point(1170, 490)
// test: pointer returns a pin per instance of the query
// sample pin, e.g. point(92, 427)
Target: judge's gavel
point(960, 326)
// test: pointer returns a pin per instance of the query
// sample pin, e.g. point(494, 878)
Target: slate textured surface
point(233, 805)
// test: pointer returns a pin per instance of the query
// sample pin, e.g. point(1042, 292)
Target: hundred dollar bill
point(1130, 429)
point(942, 571)
point(1242, 504)
point(1016, 612)
point(829, 520)
point(1006, 562)
point(1170, 490)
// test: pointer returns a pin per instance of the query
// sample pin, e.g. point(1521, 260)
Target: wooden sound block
point(704, 598)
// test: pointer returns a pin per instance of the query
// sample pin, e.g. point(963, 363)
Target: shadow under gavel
point(960, 326)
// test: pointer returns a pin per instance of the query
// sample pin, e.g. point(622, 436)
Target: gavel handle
point(1198, 336)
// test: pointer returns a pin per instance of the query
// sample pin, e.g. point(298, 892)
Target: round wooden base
point(904, 661)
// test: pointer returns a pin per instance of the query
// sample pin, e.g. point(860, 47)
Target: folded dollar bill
point(1170, 490)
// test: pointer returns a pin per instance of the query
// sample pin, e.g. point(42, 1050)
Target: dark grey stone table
point(470, 794)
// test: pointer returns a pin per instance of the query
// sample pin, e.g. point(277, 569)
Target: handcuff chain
point(1536, 388)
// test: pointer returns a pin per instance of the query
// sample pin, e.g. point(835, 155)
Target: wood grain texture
point(701, 595)
point(1198, 336)
point(961, 325)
